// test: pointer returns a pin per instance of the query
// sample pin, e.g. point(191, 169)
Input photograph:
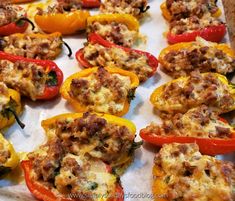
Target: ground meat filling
point(98, 55)
point(8, 14)
point(27, 78)
point(193, 23)
point(4, 154)
point(4, 96)
point(102, 140)
point(178, 63)
point(101, 91)
point(32, 46)
point(196, 90)
point(66, 174)
point(114, 32)
point(197, 122)
point(186, 8)
point(132, 7)
point(189, 175)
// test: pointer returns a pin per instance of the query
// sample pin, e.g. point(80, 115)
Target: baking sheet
point(138, 178)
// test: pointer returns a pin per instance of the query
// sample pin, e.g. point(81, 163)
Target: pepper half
point(65, 23)
point(55, 75)
point(43, 193)
point(209, 146)
point(12, 160)
point(91, 3)
point(210, 33)
point(21, 1)
point(131, 22)
point(167, 15)
point(94, 38)
point(79, 107)
point(157, 101)
point(10, 110)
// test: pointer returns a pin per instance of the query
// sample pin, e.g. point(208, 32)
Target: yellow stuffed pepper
point(121, 29)
point(10, 106)
point(182, 94)
point(8, 157)
point(102, 136)
point(182, 58)
point(103, 90)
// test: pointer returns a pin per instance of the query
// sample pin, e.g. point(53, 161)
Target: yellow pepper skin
point(85, 73)
point(124, 159)
point(155, 97)
point(15, 96)
point(159, 187)
point(11, 162)
point(188, 45)
point(167, 15)
point(42, 36)
point(65, 23)
point(131, 22)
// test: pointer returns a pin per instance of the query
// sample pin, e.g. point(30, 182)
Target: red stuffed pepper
point(210, 33)
point(36, 79)
point(14, 20)
point(100, 52)
point(212, 134)
point(90, 3)
point(77, 4)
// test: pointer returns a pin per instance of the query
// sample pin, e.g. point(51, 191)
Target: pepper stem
point(27, 20)
point(69, 48)
point(142, 10)
point(21, 124)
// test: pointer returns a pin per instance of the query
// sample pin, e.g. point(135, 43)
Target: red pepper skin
point(42, 193)
point(91, 3)
point(95, 38)
point(12, 28)
point(206, 145)
point(49, 91)
point(212, 33)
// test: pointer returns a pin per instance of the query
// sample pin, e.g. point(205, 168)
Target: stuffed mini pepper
point(78, 4)
point(121, 29)
point(184, 93)
point(101, 136)
point(137, 8)
point(35, 46)
point(104, 90)
point(181, 172)
point(10, 106)
point(100, 52)
point(8, 157)
point(36, 79)
point(181, 59)
point(13, 19)
point(200, 125)
point(53, 173)
point(57, 19)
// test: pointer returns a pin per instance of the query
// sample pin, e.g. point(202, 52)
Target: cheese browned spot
point(98, 55)
point(71, 176)
point(195, 90)
point(196, 122)
point(186, 8)
point(93, 135)
point(101, 91)
point(114, 32)
point(132, 7)
point(30, 46)
point(188, 175)
point(27, 78)
point(202, 56)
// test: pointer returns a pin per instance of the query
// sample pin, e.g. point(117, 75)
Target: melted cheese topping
point(4, 152)
point(115, 33)
point(4, 96)
point(98, 55)
point(27, 78)
point(100, 98)
point(189, 175)
point(196, 122)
